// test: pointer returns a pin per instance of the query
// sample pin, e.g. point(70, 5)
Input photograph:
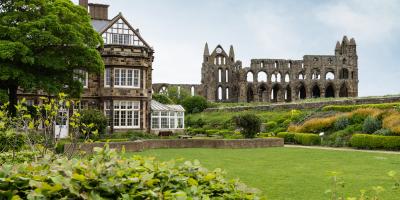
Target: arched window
point(315, 75)
point(278, 77)
point(329, 76)
point(302, 92)
point(343, 91)
point(274, 93)
point(250, 77)
point(301, 76)
point(287, 78)
point(226, 76)
point(290, 64)
point(220, 93)
point(288, 94)
point(276, 64)
point(163, 90)
point(344, 61)
point(215, 61)
point(227, 93)
point(192, 90)
point(262, 77)
point(302, 65)
point(329, 92)
point(316, 93)
point(219, 75)
point(261, 64)
point(273, 78)
point(344, 73)
point(262, 93)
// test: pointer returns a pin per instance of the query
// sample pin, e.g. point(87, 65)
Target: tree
point(162, 98)
point(42, 42)
point(177, 95)
point(249, 123)
point(194, 104)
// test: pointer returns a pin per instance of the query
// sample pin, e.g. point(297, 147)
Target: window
point(126, 114)
point(180, 122)
point(167, 120)
point(120, 34)
point(107, 77)
point(155, 120)
point(164, 120)
point(126, 78)
point(227, 93)
point(219, 75)
point(81, 76)
point(226, 76)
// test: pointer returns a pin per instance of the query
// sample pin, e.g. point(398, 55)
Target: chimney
point(84, 3)
point(98, 11)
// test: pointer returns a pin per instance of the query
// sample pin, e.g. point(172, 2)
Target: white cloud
point(368, 21)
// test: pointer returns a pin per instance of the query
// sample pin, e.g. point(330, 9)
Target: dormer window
point(121, 34)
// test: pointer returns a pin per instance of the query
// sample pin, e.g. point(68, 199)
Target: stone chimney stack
point(84, 3)
point(98, 11)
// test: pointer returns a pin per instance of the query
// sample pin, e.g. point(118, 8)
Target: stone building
point(123, 92)
point(223, 79)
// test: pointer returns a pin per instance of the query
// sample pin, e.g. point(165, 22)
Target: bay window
point(128, 78)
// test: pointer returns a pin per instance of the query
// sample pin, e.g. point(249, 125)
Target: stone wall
point(142, 145)
point(309, 105)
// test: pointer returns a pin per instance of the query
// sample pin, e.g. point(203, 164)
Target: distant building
point(275, 80)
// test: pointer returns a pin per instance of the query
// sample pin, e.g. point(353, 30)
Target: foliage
point(3, 96)
point(366, 141)
point(307, 139)
point(95, 117)
point(270, 125)
point(249, 124)
point(349, 108)
point(108, 175)
point(392, 122)
point(383, 132)
point(194, 104)
point(162, 98)
point(11, 141)
point(371, 124)
point(288, 137)
point(42, 43)
point(341, 123)
point(16, 157)
point(315, 125)
point(177, 95)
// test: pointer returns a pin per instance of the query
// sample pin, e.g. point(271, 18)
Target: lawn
point(295, 173)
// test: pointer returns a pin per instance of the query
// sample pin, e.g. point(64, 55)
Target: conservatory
point(167, 117)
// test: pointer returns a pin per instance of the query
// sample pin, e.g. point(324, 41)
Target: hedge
point(300, 138)
point(365, 141)
point(348, 108)
point(287, 137)
point(108, 174)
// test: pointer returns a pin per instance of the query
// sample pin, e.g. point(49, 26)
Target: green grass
point(295, 173)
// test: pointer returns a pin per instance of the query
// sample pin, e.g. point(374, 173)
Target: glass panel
point(117, 77)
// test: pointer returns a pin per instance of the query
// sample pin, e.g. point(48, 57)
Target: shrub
point(109, 175)
point(287, 136)
point(95, 117)
point(11, 141)
point(196, 131)
point(392, 122)
point(341, 123)
point(271, 125)
point(348, 108)
point(316, 125)
point(383, 132)
point(307, 139)
point(249, 123)
point(16, 157)
point(162, 98)
point(371, 124)
point(366, 141)
point(194, 104)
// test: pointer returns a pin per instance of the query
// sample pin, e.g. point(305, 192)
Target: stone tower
point(219, 75)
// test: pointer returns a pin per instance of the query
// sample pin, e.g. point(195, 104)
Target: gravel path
point(341, 149)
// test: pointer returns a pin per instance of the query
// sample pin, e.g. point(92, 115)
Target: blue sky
point(178, 30)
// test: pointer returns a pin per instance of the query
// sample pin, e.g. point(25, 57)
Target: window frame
point(118, 81)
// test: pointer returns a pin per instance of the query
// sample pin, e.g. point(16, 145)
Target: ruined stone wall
point(279, 80)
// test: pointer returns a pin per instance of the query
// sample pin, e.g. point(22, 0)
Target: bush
point(249, 123)
point(196, 131)
point(383, 132)
point(162, 98)
point(316, 125)
point(366, 141)
point(11, 141)
point(371, 124)
point(95, 117)
point(287, 137)
point(392, 122)
point(307, 139)
point(270, 125)
point(348, 108)
point(195, 104)
point(341, 123)
point(109, 175)
point(16, 157)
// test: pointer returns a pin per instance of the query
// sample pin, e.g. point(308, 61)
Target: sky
point(287, 29)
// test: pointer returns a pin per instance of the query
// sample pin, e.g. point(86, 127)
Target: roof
point(99, 25)
point(157, 106)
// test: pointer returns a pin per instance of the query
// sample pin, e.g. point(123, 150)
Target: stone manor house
point(223, 79)
point(124, 91)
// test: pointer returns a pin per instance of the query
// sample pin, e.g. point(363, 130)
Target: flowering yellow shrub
point(374, 112)
point(392, 122)
point(316, 125)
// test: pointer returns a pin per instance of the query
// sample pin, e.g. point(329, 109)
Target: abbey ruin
point(223, 79)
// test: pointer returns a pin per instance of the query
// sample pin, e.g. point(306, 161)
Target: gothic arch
point(275, 91)
point(262, 76)
point(288, 94)
point(329, 75)
point(316, 92)
point(262, 93)
point(343, 92)
point(250, 76)
point(344, 73)
point(301, 91)
point(330, 91)
point(250, 94)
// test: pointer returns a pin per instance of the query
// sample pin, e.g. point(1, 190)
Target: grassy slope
point(291, 173)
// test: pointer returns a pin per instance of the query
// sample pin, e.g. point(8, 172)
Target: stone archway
point(329, 92)
point(302, 92)
point(250, 94)
point(343, 92)
point(275, 93)
point(316, 92)
point(262, 93)
point(288, 94)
